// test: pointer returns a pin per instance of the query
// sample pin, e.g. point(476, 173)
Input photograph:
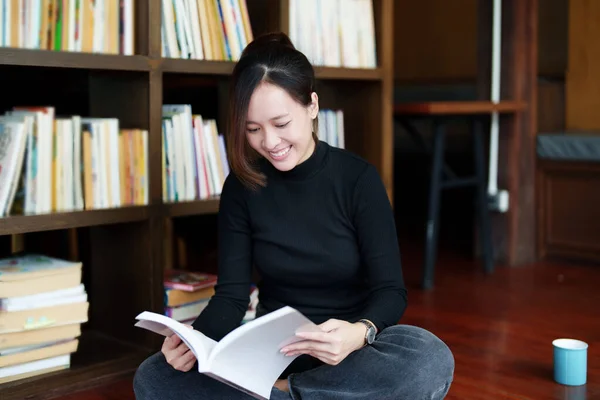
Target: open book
point(249, 357)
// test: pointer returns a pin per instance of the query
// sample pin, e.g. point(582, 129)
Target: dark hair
point(269, 58)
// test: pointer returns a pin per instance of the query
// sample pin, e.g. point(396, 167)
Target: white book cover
point(75, 294)
point(13, 141)
point(168, 21)
point(46, 363)
point(202, 176)
point(183, 126)
point(129, 18)
point(249, 357)
point(77, 168)
point(340, 129)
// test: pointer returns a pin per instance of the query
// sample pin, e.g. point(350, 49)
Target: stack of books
point(42, 306)
point(187, 293)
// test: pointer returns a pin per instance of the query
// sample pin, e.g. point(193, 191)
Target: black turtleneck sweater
point(322, 237)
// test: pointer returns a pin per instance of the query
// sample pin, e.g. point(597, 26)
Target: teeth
point(282, 152)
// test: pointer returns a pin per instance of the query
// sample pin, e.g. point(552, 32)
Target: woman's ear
point(314, 105)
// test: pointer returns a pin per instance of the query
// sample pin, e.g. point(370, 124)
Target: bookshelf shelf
point(64, 220)
point(196, 66)
point(99, 359)
point(191, 208)
point(356, 74)
point(65, 59)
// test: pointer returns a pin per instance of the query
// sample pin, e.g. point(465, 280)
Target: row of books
point(334, 33)
point(205, 29)
point(187, 293)
point(193, 153)
point(43, 304)
point(331, 127)
point(91, 26)
point(52, 163)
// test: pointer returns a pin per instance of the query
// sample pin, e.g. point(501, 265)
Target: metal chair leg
point(434, 204)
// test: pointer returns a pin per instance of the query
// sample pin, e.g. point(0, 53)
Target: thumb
point(330, 325)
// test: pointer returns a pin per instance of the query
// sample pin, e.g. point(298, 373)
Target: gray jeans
point(404, 362)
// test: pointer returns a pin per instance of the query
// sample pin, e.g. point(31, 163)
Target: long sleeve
point(227, 307)
point(379, 249)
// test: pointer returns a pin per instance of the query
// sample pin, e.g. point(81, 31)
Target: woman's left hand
point(334, 344)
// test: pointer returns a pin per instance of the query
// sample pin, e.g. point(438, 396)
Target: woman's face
point(279, 128)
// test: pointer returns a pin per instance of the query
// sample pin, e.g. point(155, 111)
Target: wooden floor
point(499, 327)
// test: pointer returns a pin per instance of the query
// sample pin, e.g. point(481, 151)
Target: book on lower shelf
point(51, 163)
point(187, 293)
point(42, 306)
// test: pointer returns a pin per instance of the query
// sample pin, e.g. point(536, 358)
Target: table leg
point(435, 191)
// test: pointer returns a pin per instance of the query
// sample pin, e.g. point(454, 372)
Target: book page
point(250, 357)
point(200, 344)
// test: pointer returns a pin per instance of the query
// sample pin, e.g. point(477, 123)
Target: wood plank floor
point(499, 327)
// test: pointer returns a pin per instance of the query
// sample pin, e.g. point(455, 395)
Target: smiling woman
point(317, 224)
point(273, 109)
point(279, 128)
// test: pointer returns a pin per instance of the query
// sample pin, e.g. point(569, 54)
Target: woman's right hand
point(178, 354)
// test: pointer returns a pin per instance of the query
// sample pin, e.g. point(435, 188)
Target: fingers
point(181, 358)
point(185, 361)
point(177, 353)
point(190, 362)
point(171, 342)
point(306, 346)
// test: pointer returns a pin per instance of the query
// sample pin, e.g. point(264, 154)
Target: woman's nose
point(270, 140)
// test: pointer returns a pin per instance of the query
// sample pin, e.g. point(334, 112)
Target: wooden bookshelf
point(67, 220)
point(123, 250)
point(191, 208)
point(63, 59)
point(353, 74)
point(196, 66)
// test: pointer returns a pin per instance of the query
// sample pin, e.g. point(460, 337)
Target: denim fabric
point(404, 362)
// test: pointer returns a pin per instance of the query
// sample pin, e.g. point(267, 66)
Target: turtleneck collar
point(308, 168)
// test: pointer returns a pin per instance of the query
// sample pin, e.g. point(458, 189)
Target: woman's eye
point(252, 130)
point(282, 125)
